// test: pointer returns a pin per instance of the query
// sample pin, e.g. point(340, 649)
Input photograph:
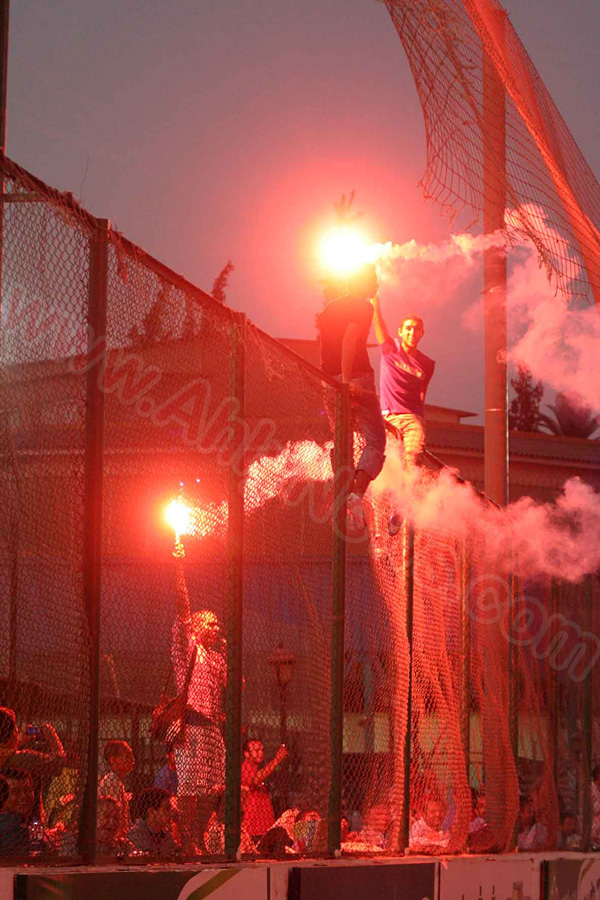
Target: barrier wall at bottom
point(359, 879)
point(573, 876)
point(571, 879)
point(251, 883)
point(490, 878)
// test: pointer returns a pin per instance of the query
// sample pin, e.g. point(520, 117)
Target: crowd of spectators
point(41, 794)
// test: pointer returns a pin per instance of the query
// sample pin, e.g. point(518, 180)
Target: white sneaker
point(355, 512)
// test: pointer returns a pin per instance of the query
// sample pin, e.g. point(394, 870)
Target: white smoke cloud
point(529, 538)
point(558, 539)
point(459, 246)
point(559, 344)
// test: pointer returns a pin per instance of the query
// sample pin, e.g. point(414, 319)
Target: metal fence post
point(554, 703)
point(235, 590)
point(465, 656)
point(408, 554)
point(587, 723)
point(513, 693)
point(4, 32)
point(92, 523)
point(342, 468)
point(513, 676)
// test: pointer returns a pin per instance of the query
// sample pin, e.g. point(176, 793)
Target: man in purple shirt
point(404, 379)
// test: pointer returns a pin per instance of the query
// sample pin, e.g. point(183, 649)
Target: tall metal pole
point(494, 204)
point(513, 672)
point(92, 523)
point(587, 723)
point(465, 656)
point(14, 543)
point(513, 693)
point(4, 18)
point(342, 468)
point(554, 705)
point(235, 593)
point(408, 552)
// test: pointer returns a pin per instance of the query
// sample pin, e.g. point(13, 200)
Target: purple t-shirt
point(404, 379)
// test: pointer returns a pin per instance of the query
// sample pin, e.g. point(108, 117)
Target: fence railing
point(402, 699)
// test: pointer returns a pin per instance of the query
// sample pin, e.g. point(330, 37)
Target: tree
point(221, 282)
point(573, 417)
point(524, 413)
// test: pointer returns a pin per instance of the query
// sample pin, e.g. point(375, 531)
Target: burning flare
point(179, 517)
point(345, 251)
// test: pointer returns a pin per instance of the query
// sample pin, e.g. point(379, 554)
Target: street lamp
point(284, 663)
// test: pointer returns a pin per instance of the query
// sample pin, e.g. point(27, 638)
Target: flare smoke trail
point(465, 246)
point(557, 343)
point(268, 477)
point(528, 538)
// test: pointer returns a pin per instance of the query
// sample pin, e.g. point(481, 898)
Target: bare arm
point(381, 332)
point(349, 351)
point(54, 742)
point(181, 591)
point(49, 763)
point(270, 767)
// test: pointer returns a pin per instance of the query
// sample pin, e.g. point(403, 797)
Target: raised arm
point(181, 591)
point(381, 332)
point(270, 767)
point(49, 763)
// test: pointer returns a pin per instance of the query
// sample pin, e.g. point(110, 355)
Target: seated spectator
point(308, 832)
point(38, 751)
point(569, 837)
point(256, 803)
point(350, 811)
point(14, 834)
point(152, 831)
point(214, 836)
point(531, 834)
point(68, 784)
point(31, 834)
point(477, 812)
point(376, 825)
point(426, 833)
point(25, 751)
point(166, 777)
point(109, 842)
point(275, 843)
point(65, 812)
point(482, 838)
point(121, 762)
point(287, 821)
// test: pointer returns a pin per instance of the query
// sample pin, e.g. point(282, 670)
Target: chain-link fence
point(328, 693)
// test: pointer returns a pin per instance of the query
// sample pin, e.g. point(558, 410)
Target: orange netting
point(552, 196)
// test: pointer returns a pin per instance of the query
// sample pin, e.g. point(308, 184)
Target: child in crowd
point(121, 762)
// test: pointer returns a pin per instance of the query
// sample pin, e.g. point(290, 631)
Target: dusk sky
point(208, 131)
